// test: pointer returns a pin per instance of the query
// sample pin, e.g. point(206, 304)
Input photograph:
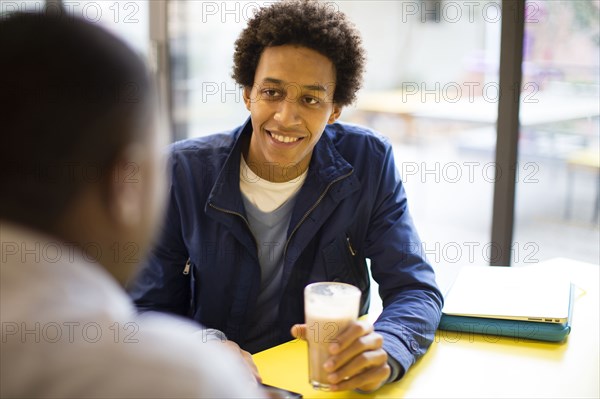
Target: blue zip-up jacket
point(352, 206)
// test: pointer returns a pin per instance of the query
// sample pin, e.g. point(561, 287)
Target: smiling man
point(293, 197)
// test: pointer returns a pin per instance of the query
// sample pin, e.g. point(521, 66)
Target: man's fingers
point(358, 360)
point(360, 363)
point(371, 342)
point(247, 357)
point(251, 365)
point(299, 331)
point(347, 337)
point(368, 380)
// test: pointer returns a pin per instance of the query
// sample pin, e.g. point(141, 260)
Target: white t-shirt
point(266, 195)
point(69, 331)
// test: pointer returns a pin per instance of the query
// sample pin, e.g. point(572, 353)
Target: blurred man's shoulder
point(152, 356)
point(69, 330)
point(167, 356)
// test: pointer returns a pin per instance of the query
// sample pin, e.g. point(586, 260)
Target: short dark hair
point(318, 26)
point(72, 96)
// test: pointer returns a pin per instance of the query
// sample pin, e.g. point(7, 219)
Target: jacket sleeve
point(411, 299)
point(163, 283)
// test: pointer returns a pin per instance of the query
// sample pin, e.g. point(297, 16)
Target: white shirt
point(266, 195)
point(70, 331)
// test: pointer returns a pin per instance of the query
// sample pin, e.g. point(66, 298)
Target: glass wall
point(431, 87)
point(557, 191)
point(127, 19)
point(202, 34)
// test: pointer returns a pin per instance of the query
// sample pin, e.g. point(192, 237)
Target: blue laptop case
point(518, 329)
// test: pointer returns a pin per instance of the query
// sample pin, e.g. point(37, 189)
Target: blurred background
point(431, 87)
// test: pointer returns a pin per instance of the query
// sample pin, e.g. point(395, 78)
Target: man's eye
point(311, 100)
point(271, 93)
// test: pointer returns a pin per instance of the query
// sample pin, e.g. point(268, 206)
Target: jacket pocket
point(344, 263)
point(189, 271)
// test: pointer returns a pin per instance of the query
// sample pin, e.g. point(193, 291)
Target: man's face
point(290, 104)
point(141, 197)
point(153, 180)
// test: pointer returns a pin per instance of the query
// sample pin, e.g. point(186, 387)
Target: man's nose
point(287, 113)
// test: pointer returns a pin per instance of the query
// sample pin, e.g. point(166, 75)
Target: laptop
point(510, 293)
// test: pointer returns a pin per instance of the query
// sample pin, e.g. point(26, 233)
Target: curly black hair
point(308, 23)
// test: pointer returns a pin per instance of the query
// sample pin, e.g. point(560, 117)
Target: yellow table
point(462, 365)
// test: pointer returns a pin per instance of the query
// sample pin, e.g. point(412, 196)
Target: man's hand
point(357, 359)
point(247, 358)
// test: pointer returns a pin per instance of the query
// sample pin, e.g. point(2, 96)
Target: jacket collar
point(326, 166)
point(225, 193)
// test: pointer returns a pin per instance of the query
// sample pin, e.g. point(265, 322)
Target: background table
point(465, 365)
point(540, 108)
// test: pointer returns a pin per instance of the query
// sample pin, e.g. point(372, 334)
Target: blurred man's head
point(80, 143)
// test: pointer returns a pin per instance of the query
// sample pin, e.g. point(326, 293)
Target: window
point(558, 182)
point(206, 100)
point(127, 19)
point(432, 88)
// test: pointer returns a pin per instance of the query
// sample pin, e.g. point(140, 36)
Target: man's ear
point(247, 94)
point(125, 191)
point(335, 113)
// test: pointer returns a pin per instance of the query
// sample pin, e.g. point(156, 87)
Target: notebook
point(523, 302)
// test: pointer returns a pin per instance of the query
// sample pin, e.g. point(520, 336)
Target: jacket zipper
point(236, 214)
point(312, 208)
point(188, 265)
point(352, 251)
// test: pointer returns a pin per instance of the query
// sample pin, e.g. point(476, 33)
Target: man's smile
point(283, 138)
